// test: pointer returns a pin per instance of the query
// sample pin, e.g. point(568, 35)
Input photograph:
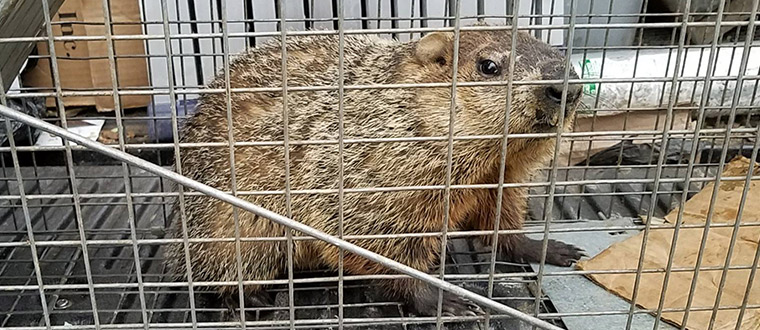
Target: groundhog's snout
point(552, 94)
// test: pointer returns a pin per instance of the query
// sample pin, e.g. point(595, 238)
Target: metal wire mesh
point(82, 236)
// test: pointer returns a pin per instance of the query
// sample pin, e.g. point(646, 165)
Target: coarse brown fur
point(368, 113)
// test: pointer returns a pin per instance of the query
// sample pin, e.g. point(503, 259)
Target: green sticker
point(588, 71)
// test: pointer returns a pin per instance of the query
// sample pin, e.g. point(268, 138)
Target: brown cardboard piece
point(77, 71)
point(576, 150)
point(625, 255)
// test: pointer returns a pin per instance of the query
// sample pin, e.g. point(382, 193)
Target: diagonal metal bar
point(282, 220)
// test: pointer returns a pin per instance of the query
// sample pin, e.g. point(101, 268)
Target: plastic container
point(661, 63)
point(160, 119)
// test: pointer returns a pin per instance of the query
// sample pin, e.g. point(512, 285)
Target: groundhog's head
point(484, 56)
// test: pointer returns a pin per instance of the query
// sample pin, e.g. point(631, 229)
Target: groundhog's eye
point(489, 68)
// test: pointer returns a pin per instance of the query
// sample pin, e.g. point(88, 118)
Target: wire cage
point(670, 98)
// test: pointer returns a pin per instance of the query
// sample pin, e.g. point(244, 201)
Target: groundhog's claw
point(456, 306)
point(557, 253)
point(563, 254)
point(475, 310)
point(426, 303)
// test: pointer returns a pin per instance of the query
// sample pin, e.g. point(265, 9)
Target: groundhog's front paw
point(426, 303)
point(557, 253)
point(562, 254)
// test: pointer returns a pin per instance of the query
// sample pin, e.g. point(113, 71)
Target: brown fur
point(369, 113)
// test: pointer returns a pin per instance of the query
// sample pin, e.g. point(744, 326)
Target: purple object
point(160, 119)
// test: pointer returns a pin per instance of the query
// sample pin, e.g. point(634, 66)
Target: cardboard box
point(84, 64)
point(625, 256)
point(575, 150)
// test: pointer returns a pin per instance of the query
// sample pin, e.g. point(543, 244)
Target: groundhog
point(371, 113)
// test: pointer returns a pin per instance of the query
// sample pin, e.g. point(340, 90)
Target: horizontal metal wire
point(375, 31)
point(422, 320)
point(401, 320)
point(350, 278)
point(213, 54)
point(138, 175)
point(451, 234)
point(158, 90)
point(614, 135)
point(386, 19)
point(393, 189)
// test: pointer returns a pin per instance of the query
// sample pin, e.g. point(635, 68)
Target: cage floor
point(53, 218)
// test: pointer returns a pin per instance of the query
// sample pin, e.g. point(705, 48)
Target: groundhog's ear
point(434, 47)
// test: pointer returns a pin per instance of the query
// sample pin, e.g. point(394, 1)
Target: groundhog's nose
point(555, 70)
point(554, 93)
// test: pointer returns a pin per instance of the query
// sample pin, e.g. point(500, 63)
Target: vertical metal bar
point(108, 26)
point(29, 228)
point(183, 78)
point(364, 13)
point(509, 13)
point(753, 98)
point(686, 127)
point(730, 61)
point(4, 101)
point(689, 172)
point(308, 15)
point(334, 13)
point(411, 17)
point(341, 61)
point(537, 10)
point(123, 295)
point(394, 16)
point(70, 162)
point(555, 161)
point(251, 27)
point(748, 291)
point(753, 271)
point(551, 22)
point(35, 170)
point(628, 104)
point(248, 18)
point(481, 10)
point(449, 158)
point(450, 4)
point(156, 295)
point(423, 13)
point(231, 148)
point(178, 160)
point(286, 143)
point(747, 180)
point(15, 304)
point(613, 187)
point(12, 203)
point(25, 210)
point(191, 11)
point(502, 161)
point(673, 36)
point(660, 161)
point(594, 116)
point(212, 14)
point(725, 90)
point(721, 165)
point(148, 60)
